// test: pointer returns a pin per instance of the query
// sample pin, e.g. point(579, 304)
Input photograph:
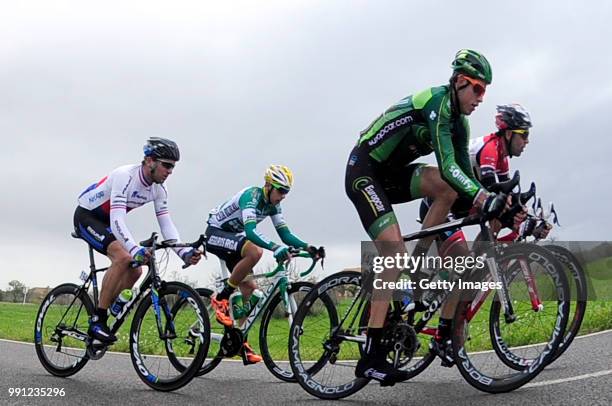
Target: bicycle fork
point(503, 294)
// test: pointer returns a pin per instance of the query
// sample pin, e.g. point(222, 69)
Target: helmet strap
point(266, 193)
point(153, 169)
point(455, 107)
point(508, 146)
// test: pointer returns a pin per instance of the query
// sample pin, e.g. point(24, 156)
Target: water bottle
point(124, 297)
point(256, 296)
point(236, 306)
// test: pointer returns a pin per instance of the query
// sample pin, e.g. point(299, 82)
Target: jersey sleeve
point(438, 114)
point(487, 162)
point(166, 225)
point(462, 150)
point(118, 210)
point(248, 204)
point(283, 230)
point(493, 167)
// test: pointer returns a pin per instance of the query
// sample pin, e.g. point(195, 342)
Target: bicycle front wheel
point(274, 330)
point(578, 294)
point(169, 325)
point(523, 342)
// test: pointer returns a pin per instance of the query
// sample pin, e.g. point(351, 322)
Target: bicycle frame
point(280, 282)
point(363, 295)
point(151, 284)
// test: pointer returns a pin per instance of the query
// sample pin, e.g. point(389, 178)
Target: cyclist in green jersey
point(233, 237)
point(380, 172)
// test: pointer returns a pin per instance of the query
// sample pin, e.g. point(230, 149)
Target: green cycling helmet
point(473, 64)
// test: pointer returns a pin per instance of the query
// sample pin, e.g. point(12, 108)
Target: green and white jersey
point(246, 206)
point(245, 210)
point(418, 125)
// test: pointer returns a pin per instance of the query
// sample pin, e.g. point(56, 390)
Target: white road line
point(573, 378)
point(108, 352)
point(280, 361)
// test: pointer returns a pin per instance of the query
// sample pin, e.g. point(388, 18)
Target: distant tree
point(2, 293)
point(181, 277)
point(16, 291)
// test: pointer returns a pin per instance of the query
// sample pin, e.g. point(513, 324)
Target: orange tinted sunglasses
point(478, 86)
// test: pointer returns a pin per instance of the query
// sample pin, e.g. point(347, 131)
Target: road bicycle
point(64, 347)
point(533, 290)
point(276, 309)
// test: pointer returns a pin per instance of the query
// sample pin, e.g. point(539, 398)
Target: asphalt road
point(583, 376)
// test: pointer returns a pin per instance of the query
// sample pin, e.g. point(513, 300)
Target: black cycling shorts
point(373, 188)
point(226, 245)
point(92, 229)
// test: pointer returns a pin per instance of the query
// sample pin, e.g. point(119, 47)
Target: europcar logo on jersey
point(390, 127)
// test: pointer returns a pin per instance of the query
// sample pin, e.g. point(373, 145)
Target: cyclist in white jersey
point(100, 220)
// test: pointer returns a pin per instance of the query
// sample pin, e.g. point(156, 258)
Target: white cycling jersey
point(126, 188)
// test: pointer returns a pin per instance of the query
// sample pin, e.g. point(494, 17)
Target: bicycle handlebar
point(152, 245)
point(299, 253)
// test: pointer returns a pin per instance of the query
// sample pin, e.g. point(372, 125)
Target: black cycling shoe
point(443, 348)
point(100, 332)
point(377, 368)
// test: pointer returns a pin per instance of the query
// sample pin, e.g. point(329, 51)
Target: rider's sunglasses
point(282, 190)
point(523, 133)
point(165, 164)
point(478, 86)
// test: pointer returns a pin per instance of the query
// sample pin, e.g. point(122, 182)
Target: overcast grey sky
point(243, 84)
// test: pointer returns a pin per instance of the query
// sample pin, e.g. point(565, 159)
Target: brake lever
point(539, 210)
point(554, 215)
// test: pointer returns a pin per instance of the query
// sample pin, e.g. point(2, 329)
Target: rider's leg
point(389, 243)
point(432, 185)
point(373, 364)
point(427, 182)
point(119, 276)
point(365, 186)
point(251, 254)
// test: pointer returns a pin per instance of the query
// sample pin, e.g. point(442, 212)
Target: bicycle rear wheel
point(522, 347)
point(214, 356)
point(61, 326)
point(326, 337)
point(183, 335)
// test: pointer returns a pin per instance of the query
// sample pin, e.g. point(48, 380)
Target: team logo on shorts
point(361, 182)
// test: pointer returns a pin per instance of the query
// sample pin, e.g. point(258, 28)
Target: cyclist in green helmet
point(380, 172)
